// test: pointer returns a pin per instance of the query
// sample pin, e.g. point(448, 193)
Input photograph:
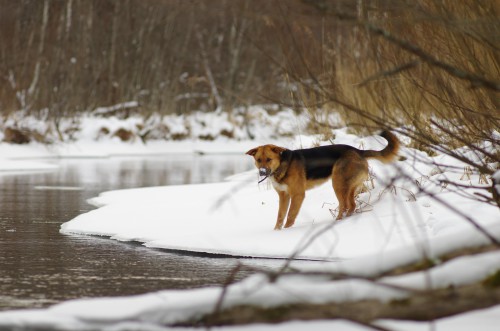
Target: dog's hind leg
point(341, 193)
point(340, 187)
point(351, 201)
point(356, 184)
point(353, 192)
point(348, 175)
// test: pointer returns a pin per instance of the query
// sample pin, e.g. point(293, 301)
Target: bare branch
point(475, 80)
point(390, 72)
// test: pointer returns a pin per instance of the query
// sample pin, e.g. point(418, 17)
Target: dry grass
point(430, 70)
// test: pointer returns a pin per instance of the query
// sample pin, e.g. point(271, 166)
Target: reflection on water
point(39, 266)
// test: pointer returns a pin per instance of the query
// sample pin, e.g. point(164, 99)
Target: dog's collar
point(280, 172)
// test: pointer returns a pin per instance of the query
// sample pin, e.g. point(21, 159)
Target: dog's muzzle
point(264, 172)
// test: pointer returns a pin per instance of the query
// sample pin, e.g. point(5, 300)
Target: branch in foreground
point(425, 306)
point(475, 80)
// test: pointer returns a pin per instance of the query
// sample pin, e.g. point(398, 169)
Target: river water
point(40, 267)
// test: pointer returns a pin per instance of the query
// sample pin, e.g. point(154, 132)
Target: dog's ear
point(252, 152)
point(278, 150)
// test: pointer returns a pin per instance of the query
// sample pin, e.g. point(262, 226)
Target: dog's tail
point(388, 154)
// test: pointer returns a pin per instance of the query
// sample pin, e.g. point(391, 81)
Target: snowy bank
point(34, 157)
point(402, 220)
point(100, 134)
point(93, 135)
point(151, 311)
point(8, 166)
point(484, 320)
point(236, 217)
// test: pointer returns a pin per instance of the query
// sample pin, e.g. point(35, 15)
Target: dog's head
point(267, 158)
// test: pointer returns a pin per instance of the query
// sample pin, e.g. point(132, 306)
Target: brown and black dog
point(294, 172)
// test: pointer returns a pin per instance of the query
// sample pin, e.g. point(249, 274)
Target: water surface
point(39, 266)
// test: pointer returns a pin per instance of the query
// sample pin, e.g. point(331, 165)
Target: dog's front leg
point(284, 203)
point(297, 200)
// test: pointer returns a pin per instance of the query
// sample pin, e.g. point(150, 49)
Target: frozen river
point(39, 266)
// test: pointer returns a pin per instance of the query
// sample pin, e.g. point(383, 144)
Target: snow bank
point(115, 147)
point(484, 320)
point(205, 133)
point(236, 217)
point(88, 135)
point(404, 218)
point(168, 307)
point(17, 166)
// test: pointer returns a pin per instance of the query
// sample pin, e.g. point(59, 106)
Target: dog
point(292, 172)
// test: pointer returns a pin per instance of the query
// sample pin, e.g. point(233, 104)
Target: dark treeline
point(70, 56)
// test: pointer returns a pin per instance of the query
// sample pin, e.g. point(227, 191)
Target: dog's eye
point(259, 160)
point(268, 159)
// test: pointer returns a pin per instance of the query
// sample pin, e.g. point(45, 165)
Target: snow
point(236, 217)
point(8, 166)
point(496, 181)
point(408, 215)
point(167, 307)
point(114, 108)
point(95, 135)
point(483, 319)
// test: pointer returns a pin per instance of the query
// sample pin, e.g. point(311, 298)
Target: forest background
point(428, 69)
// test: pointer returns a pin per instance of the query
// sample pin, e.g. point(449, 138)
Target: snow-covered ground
point(405, 217)
point(236, 217)
point(57, 319)
point(94, 136)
